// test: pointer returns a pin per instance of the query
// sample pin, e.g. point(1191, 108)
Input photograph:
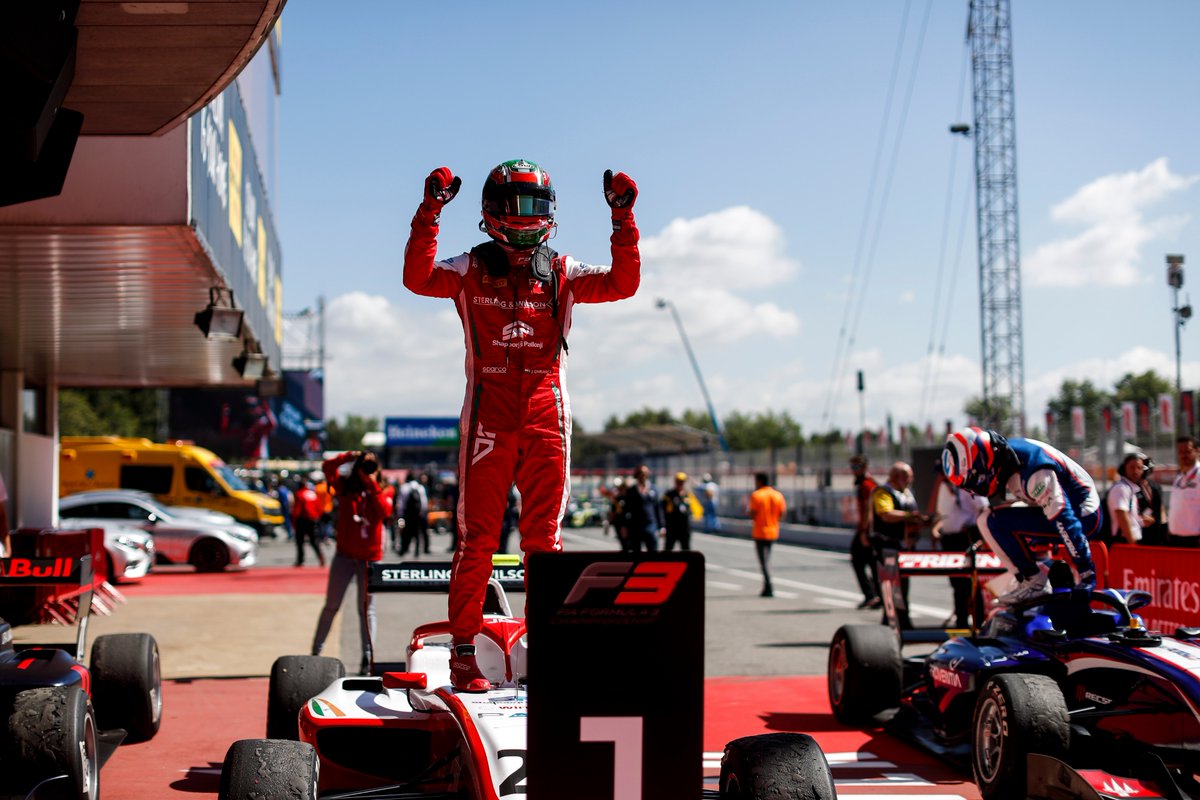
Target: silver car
point(129, 549)
point(208, 545)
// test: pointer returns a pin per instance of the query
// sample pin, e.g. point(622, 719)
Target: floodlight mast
point(989, 31)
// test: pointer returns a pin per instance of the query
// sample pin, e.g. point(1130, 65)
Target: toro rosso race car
point(409, 734)
point(63, 717)
point(1061, 696)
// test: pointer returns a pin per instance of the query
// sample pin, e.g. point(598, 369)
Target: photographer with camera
point(361, 510)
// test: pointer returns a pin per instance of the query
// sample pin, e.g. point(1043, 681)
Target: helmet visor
point(519, 200)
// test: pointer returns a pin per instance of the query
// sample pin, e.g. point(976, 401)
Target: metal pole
point(712, 414)
point(1180, 314)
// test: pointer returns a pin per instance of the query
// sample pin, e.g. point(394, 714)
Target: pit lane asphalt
point(212, 628)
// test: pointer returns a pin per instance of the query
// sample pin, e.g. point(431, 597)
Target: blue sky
point(752, 131)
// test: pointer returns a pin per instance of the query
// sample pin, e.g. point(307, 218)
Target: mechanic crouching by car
point(1057, 502)
point(360, 515)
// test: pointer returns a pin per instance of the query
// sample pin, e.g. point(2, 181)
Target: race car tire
point(294, 681)
point(52, 731)
point(775, 765)
point(1016, 714)
point(864, 673)
point(209, 555)
point(127, 684)
point(268, 768)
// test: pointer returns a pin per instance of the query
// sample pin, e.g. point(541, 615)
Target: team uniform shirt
point(1185, 503)
point(1123, 496)
point(885, 498)
point(766, 506)
point(1057, 485)
point(958, 509)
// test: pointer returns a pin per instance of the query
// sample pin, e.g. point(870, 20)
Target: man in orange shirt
point(766, 507)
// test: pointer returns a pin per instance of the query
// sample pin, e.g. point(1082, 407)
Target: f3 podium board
point(616, 676)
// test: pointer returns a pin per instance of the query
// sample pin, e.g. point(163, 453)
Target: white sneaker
point(1028, 588)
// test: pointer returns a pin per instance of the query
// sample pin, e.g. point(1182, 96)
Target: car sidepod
point(367, 735)
point(955, 672)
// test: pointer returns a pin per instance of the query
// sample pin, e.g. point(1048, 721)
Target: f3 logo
point(648, 583)
point(484, 443)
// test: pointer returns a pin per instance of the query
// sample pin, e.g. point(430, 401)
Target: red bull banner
point(1171, 576)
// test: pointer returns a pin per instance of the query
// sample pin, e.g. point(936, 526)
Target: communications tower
point(989, 31)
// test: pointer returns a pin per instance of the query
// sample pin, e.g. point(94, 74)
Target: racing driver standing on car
point(514, 296)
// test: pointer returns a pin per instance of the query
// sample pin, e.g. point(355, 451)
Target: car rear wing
point(895, 566)
point(51, 589)
point(927, 563)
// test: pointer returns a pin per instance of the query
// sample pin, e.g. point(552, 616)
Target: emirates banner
point(1172, 577)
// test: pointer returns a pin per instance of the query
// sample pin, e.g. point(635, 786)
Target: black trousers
point(862, 559)
point(680, 533)
point(762, 548)
point(306, 533)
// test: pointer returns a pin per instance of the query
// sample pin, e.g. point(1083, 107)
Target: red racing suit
point(516, 418)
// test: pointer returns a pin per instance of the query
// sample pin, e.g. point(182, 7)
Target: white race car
point(404, 735)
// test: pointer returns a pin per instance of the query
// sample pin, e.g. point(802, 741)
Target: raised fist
point(620, 192)
point(440, 188)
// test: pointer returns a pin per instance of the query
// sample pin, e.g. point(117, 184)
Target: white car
point(210, 546)
point(130, 550)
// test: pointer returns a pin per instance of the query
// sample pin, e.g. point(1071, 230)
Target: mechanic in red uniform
point(514, 296)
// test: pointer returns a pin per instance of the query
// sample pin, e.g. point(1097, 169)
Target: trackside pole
point(616, 676)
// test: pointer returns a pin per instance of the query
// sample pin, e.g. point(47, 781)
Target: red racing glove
point(440, 188)
point(620, 192)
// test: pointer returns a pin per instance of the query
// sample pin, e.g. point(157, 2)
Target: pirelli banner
point(1171, 576)
point(616, 676)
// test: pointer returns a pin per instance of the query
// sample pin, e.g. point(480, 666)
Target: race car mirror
point(616, 676)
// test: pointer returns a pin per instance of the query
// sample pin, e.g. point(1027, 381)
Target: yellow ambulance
point(177, 473)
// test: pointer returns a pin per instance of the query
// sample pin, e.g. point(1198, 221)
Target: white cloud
point(907, 296)
point(1109, 251)
point(388, 360)
point(736, 248)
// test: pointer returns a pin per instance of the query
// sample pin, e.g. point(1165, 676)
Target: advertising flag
point(1166, 413)
point(1128, 426)
point(1077, 425)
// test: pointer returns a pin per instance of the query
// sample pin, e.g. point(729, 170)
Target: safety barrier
point(1171, 576)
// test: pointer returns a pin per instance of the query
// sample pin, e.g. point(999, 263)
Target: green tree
point(348, 435)
point(760, 431)
point(700, 420)
point(642, 418)
point(109, 412)
point(1146, 386)
point(996, 413)
point(1077, 393)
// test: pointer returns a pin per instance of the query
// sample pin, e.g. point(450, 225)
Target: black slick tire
point(255, 769)
point(52, 731)
point(1015, 715)
point(864, 672)
point(127, 684)
point(294, 681)
point(775, 766)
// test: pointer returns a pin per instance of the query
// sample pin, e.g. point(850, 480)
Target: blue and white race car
point(1066, 695)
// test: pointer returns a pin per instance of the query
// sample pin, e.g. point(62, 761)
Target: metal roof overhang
point(108, 305)
point(145, 67)
point(100, 285)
